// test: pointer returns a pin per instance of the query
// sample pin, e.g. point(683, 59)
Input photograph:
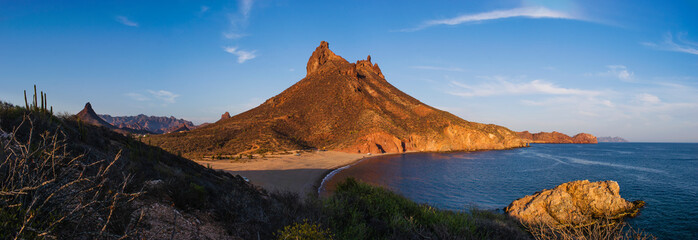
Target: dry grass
point(45, 192)
point(605, 229)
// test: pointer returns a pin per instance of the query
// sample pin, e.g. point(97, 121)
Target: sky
point(609, 68)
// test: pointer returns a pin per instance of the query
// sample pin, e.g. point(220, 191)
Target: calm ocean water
point(664, 175)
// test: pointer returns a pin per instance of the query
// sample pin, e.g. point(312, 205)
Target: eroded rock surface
point(574, 204)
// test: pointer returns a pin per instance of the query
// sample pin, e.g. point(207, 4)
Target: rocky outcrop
point(342, 106)
point(611, 139)
point(556, 137)
point(574, 203)
point(225, 116)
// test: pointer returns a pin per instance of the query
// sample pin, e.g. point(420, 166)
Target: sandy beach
point(301, 174)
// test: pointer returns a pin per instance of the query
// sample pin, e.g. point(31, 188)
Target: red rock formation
point(556, 137)
point(225, 116)
point(341, 106)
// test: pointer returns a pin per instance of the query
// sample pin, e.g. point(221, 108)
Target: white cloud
point(648, 98)
point(621, 72)
point(527, 12)
point(500, 86)
point(678, 44)
point(125, 21)
point(242, 55)
point(450, 69)
point(166, 96)
point(137, 96)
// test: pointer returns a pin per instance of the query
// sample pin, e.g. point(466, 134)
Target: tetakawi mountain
point(151, 124)
point(88, 115)
point(556, 137)
point(340, 106)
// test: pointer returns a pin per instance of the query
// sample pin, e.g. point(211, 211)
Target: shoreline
point(319, 182)
point(301, 174)
point(331, 172)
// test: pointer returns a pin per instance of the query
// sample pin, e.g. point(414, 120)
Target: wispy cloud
point(242, 55)
point(648, 98)
point(621, 72)
point(449, 69)
point(233, 36)
point(137, 96)
point(527, 12)
point(239, 20)
point(676, 44)
point(125, 21)
point(165, 96)
point(204, 9)
point(500, 86)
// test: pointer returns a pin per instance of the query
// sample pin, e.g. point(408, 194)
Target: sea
point(664, 175)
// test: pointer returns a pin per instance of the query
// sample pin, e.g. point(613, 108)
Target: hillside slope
point(340, 106)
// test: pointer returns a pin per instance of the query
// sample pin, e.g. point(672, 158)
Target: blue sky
point(610, 68)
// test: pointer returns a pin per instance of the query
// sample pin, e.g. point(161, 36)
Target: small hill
point(611, 139)
point(556, 137)
point(153, 124)
point(341, 106)
point(180, 128)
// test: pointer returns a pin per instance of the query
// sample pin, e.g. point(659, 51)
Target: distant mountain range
point(556, 137)
point(611, 139)
point(340, 106)
point(140, 124)
point(153, 124)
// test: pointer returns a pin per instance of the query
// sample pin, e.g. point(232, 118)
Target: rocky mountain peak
point(88, 107)
point(320, 57)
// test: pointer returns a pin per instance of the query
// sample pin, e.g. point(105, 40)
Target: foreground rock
point(574, 203)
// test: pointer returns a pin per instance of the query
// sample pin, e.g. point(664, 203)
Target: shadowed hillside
point(340, 106)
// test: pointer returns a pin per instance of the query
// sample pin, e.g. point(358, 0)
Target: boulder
point(576, 203)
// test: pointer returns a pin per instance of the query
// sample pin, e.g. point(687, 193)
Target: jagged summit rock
point(574, 204)
point(341, 106)
point(225, 116)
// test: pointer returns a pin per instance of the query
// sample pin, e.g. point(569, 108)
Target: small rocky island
point(572, 204)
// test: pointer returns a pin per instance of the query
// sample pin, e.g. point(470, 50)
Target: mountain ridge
point(341, 106)
point(557, 137)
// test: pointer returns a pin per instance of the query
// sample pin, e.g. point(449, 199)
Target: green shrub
point(305, 230)
point(357, 210)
